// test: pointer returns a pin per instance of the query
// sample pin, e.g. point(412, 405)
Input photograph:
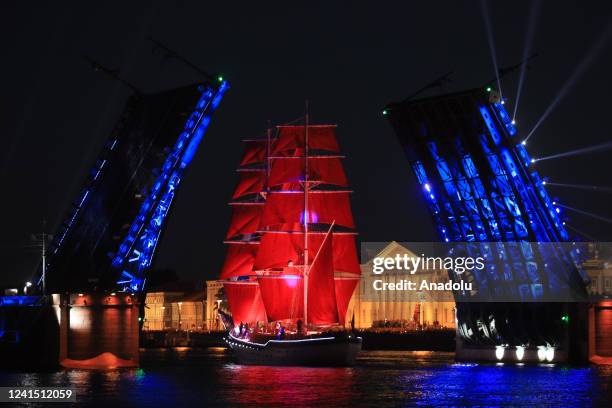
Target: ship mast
point(268, 134)
point(306, 216)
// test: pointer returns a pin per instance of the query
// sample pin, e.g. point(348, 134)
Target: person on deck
point(281, 333)
point(299, 327)
point(277, 329)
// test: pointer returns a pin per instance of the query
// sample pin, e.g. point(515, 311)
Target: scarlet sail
point(344, 291)
point(255, 152)
point(277, 249)
point(251, 182)
point(291, 200)
point(320, 137)
point(322, 307)
point(239, 260)
point(245, 219)
point(245, 302)
point(322, 169)
point(284, 210)
point(283, 296)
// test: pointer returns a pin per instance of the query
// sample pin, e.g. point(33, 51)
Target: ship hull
point(323, 351)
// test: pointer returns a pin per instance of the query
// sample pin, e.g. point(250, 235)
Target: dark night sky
point(349, 60)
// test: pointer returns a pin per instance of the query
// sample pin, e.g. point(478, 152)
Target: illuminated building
point(175, 311)
point(398, 308)
point(215, 298)
point(600, 275)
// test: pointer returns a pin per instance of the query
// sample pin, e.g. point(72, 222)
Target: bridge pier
point(98, 330)
point(570, 342)
point(600, 332)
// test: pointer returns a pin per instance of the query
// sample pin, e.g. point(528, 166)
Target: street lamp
point(179, 305)
point(25, 288)
point(218, 309)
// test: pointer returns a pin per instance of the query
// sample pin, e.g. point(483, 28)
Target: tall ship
point(291, 265)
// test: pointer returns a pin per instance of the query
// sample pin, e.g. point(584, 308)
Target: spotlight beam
point(531, 25)
point(589, 149)
point(487, 20)
point(600, 189)
point(580, 70)
point(579, 232)
point(588, 214)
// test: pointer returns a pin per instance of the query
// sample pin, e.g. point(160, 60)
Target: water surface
point(207, 377)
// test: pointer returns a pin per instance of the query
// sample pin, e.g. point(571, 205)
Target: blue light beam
point(599, 189)
point(584, 234)
point(531, 25)
point(487, 20)
point(588, 214)
point(580, 70)
point(589, 149)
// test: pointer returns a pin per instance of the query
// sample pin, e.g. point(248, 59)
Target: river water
point(183, 377)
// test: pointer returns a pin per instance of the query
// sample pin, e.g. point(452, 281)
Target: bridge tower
point(100, 255)
point(487, 199)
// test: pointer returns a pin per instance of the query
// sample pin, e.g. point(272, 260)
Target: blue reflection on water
point(185, 377)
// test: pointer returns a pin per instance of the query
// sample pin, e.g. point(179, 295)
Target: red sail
point(245, 219)
point(345, 254)
point(244, 299)
point(250, 182)
point(321, 137)
point(239, 260)
point(345, 287)
point(285, 210)
point(254, 152)
point(322, 308)
point(277, 249)
point(326, 170)
point(283, 296)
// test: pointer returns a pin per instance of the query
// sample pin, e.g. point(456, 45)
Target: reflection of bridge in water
point(100, 255)
point(487, 199)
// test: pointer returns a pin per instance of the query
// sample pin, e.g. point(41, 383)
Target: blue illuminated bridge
point(487, 199)
point(110, 235)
